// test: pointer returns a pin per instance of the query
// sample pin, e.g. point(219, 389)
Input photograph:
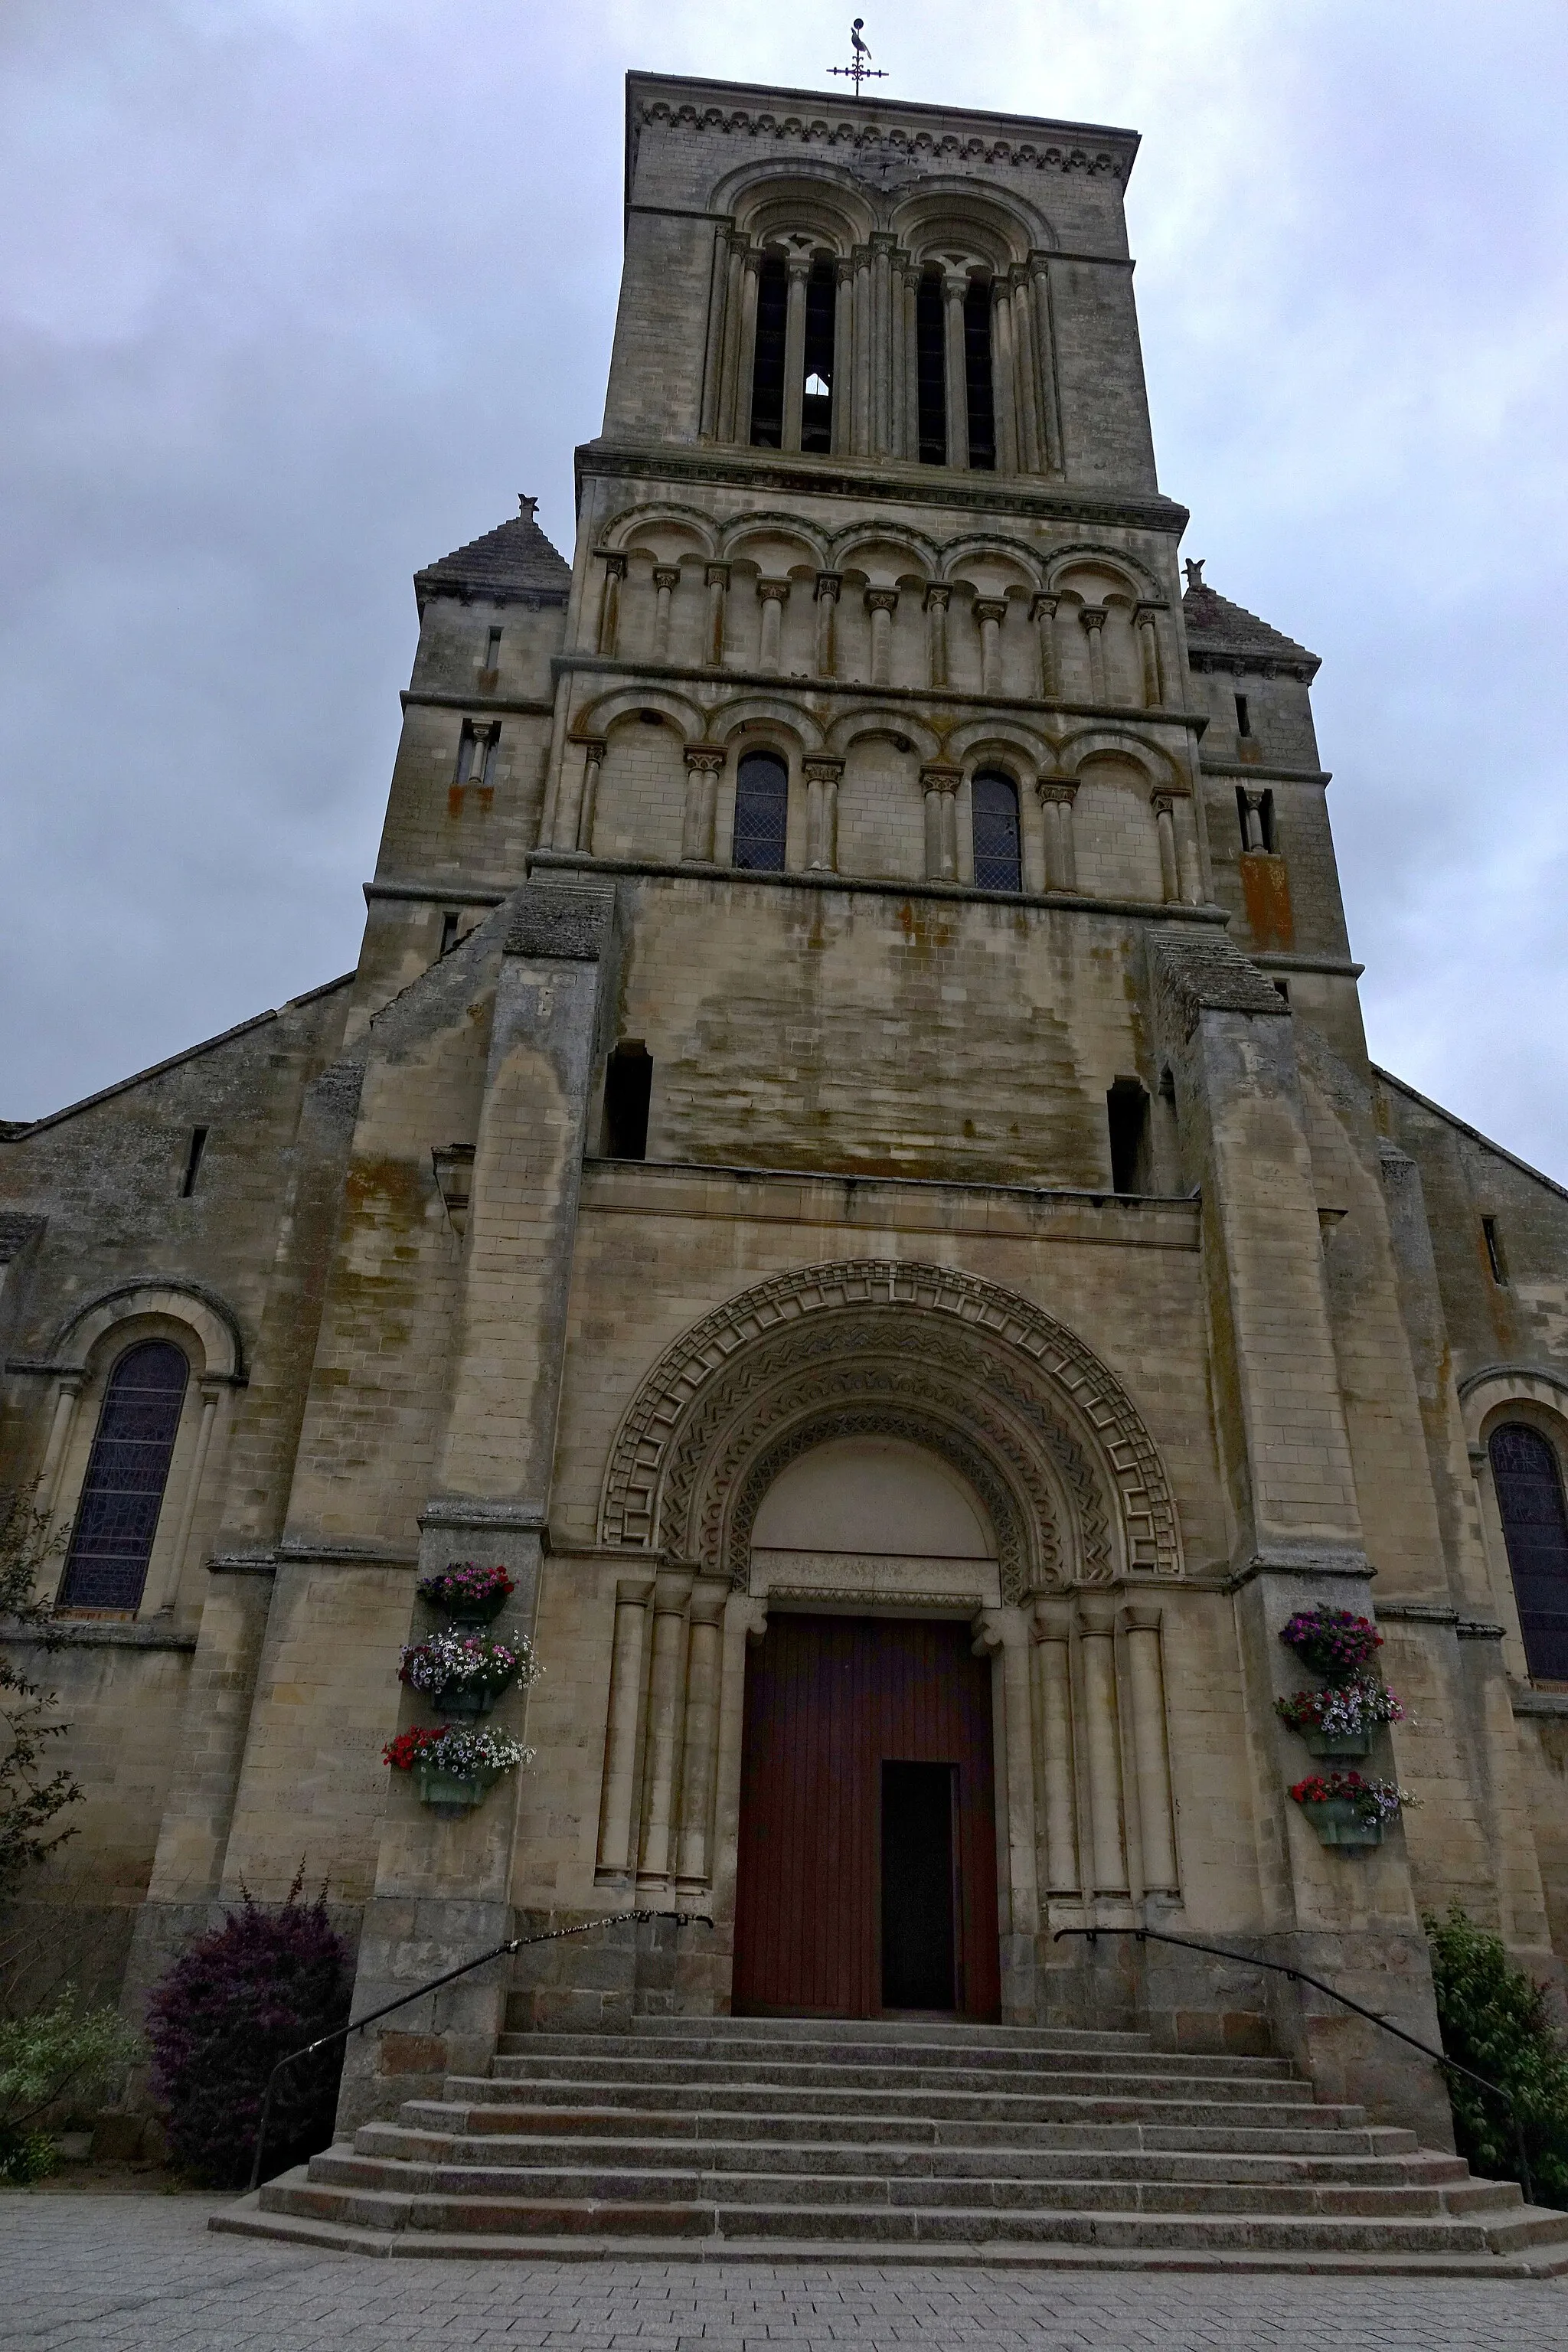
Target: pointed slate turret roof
point(1217, 626)
point(514, 560)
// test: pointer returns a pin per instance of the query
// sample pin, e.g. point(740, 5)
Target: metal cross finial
point(860, 68)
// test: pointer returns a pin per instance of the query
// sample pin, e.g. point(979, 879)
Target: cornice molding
point(1093, 152)
point(894, 480)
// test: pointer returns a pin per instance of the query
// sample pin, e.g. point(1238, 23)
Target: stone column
point(1044, 361)
point(1058, 1802)
point(694, 1865)
point(1102, 1743)
point(69, 1387)
point(704, 765)
point(1152, 1763)
point(773, 595)
point(864, 344)
point(938, 597)
point(908, 296)
point(1146, 618)
point(1252, 821)
point(828, 584)
point(666, 1707)
point(210, 1391)
point(1025, 406)
point(1043, 611)
point(798, 270)
point(574, 817)
point(610, 603)
point(729, 371)
point(716, 579)
point(746, 345)
point(940, 785)
point(666, 580)
point(881, 603)
point(713, 354)
point(1004, 391)
point(615, 1804)
point(954, 287)
point(1057, 794)
point(1164, 806)
point(843, 355)
point(1004, 1634)
point(822, 813)
point(881, 342)
point(990, 611)
point(1093, 619)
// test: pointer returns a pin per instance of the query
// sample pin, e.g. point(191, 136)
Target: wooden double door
point(866, 1875)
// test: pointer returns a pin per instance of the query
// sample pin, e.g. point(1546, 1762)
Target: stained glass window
point(1529, 1485)
point(122, 1495)
point(762, 809)
point(996, 860)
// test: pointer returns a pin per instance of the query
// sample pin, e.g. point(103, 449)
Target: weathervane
point(860, 68)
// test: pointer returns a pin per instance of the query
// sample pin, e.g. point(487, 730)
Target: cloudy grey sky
point(296, 295)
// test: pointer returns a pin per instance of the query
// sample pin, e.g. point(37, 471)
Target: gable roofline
point(19, 1131)
point(1451, 1118)
point(1215, 625)
point(513, 563)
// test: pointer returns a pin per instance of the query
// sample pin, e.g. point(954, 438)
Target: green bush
point(60, 2053)
point(24, 2157)
point(1496, 2020)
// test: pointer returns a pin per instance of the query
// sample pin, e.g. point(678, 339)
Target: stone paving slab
point(104, 2274)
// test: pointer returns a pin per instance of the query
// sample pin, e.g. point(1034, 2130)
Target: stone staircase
point(808, 2140)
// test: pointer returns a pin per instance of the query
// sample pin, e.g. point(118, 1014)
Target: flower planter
point(452, 1794)
point(1340, 1823)
point(463, 1701)
point(472, 1613)
point(1351, 1746)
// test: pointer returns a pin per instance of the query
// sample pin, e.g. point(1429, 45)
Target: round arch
point(1050, 1438)
point(128, 1311)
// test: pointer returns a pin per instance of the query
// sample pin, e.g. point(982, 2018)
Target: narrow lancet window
point(1528, 1482)
point(117, 1518)
point(193, 1161)
point(931, 349)
point(816, 407)
point(1127, 1113)
point(997, 861)
point(762, 812)
point(977, 376)
point(768, 368)
point(629, 1092)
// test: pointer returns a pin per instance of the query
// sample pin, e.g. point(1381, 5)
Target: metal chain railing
point(515, 1944)
point(1301, 1976)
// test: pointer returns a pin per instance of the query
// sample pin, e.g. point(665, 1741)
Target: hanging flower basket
point(1346, 1810)
point(1339, 1721)
point(466, 1673)
point(467, 1593)
point(1334, 1643)
point(453, 1769)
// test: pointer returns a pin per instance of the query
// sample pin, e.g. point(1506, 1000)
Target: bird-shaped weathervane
point(860, 68)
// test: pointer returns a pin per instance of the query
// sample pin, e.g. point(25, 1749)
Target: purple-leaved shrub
point(236, 2002)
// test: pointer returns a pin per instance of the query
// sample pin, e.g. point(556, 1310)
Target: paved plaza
point(104, 2274)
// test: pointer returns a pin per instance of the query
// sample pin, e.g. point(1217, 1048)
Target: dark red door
point(829, 1702)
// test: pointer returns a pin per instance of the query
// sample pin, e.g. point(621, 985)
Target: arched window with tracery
point(127, 1471)
point(1528, 1478)
point(762, 812)
point(998, 863)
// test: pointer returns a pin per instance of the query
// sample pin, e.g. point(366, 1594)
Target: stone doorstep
point(990, 2083)
point(761, 2058)
point(1015, 2112)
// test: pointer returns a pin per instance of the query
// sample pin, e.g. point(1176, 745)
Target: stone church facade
point(850, 1140)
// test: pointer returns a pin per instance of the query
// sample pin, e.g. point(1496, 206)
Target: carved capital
point(705, 758)
point(843, 269)
point(828, 584)
point(1053, 1621)
point(798, 265)
point(615, 562)
point(716, 575)
point(990, 608)
point(822, 771)
point(1162, 801)
point(881, 600)
point(937, 776)
point(1147, 614)
point(938, 596)
point(667, 575)
point(1092, 616)
point(773, 591)
point(1044, 608)
point(592, 748)
point(1061, 790)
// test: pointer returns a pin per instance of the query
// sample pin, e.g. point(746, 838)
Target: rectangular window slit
point(1127, 1113)
point(1495, 1258)
point(449, 932)
point(628, 1091)
point(193, 1160)
point(1243, 723)
point(492, 652)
